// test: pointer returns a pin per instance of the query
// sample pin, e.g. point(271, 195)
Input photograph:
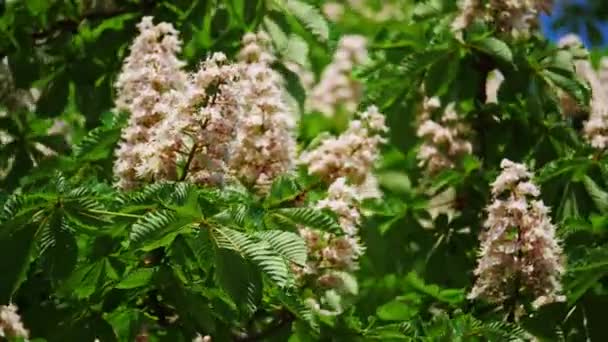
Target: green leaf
point(259, 252)
point(18, 210)
point(37, 7)
point(599, 196)
point(427, 9)
point(295, 305)
point(238, 278)
point(495, 48)
point(307, 15)
point(115, 23)
point(61, 257)
point(308, 217)
point(287, 244)
point(193, 307)
point(450, 296)
point(127, 322)
point(138, 278)
point(561, 166)
point(441, 75)
point(396, 310)
point(296, 50)
point(569, 84)
point(561, 62)
point(279, 38)
point(283, 189)
point(390, 332)
point(84, 281)
point(156, 224)
point(15, 250)
point(99, 143)
point(55, 95)
point(293, 84)
point(395, 181)
point(585, 273)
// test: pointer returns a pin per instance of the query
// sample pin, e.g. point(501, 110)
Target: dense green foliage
point(83, 260)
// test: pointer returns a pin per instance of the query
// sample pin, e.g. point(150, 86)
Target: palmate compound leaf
point(53, 216)
point(261, 253)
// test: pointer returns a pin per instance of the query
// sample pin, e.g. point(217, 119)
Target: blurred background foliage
point(418, 260)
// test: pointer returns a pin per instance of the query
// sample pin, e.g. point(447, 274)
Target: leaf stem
point(113, 213)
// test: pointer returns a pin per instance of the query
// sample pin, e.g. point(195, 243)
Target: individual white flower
point(520, 254)
point(146, 87)
point(10, 323)
point(337, 90)
point(444, 141)
point(493, 83)
point(352, 154)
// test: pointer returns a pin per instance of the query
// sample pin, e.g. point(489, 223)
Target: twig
point(188, 162)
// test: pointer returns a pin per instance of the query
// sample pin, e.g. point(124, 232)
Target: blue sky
point(551, 34)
